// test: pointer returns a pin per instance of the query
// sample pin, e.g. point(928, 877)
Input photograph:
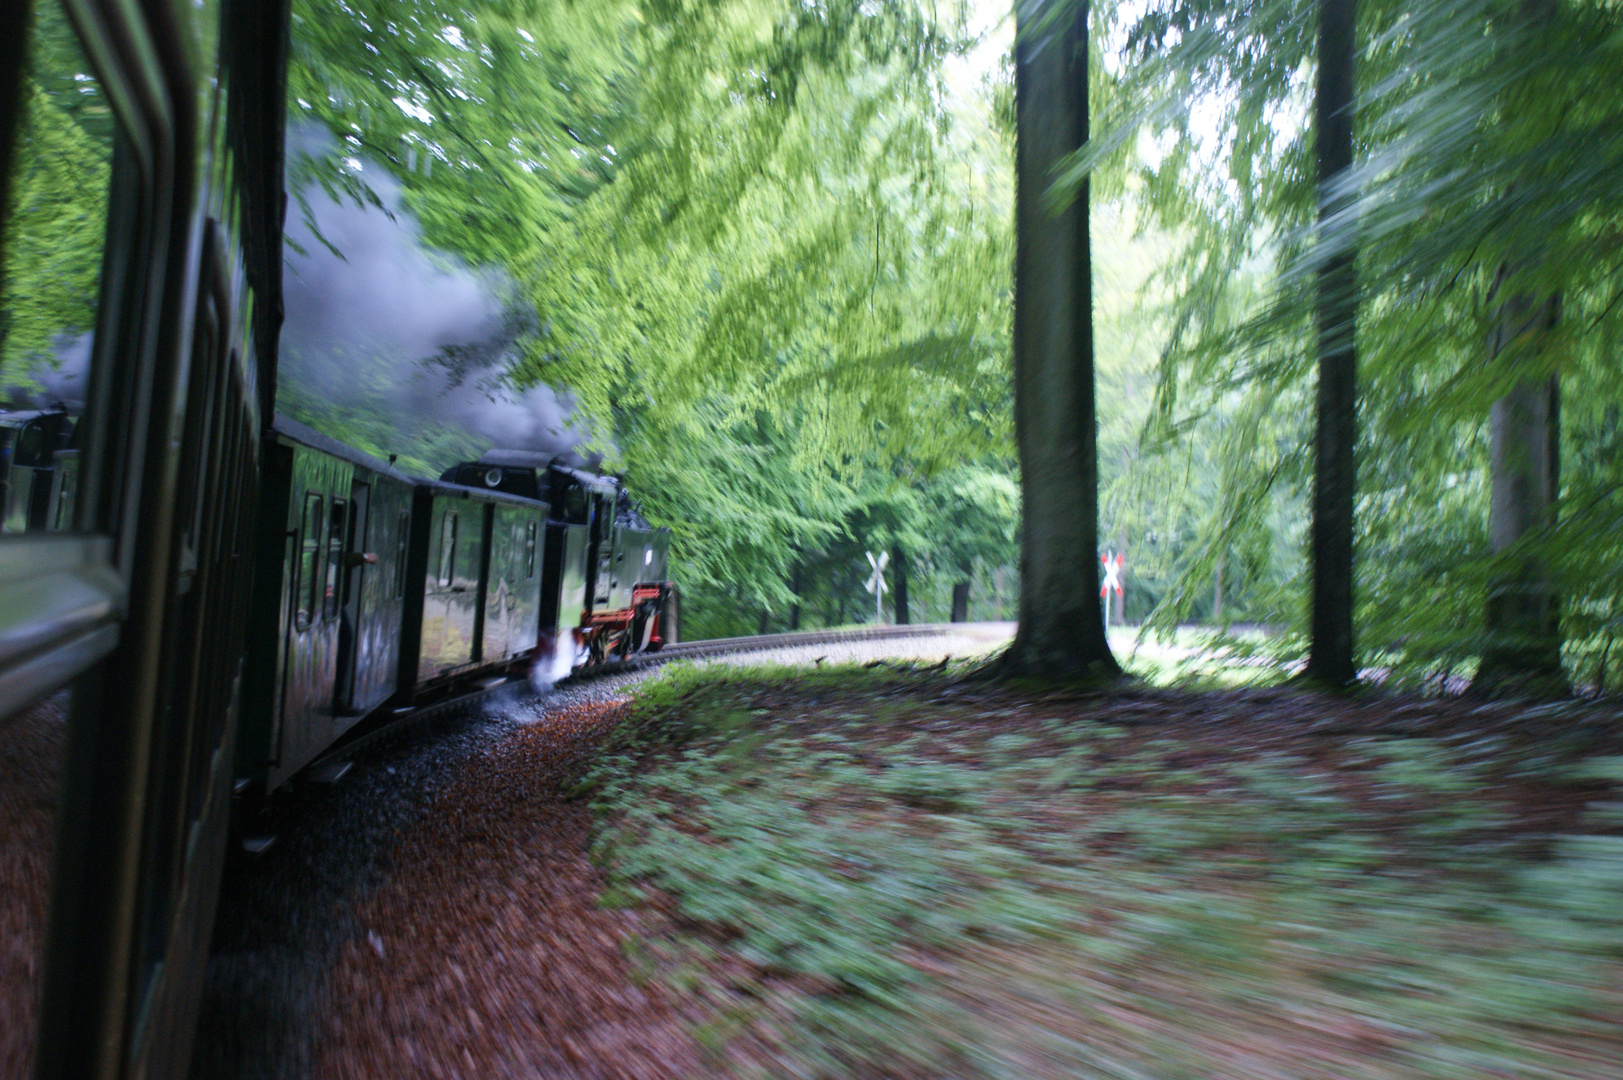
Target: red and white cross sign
point(1113, 565)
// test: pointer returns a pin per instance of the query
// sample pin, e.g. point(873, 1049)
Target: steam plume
point(416, 339)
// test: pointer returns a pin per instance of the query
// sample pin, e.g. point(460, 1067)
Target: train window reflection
point(53, 226)
point(576, 505)
point(55, 229)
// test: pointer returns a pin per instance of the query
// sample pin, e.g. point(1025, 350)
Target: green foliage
point(767, 242)
point(950, 889)
point(57, 219)
point(1485, 170)
point(494, 118)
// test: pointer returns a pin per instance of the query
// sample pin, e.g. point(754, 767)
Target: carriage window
point(52, 236)
point(307, 582)
point(529, 551)
point(335, 555)
point(402, 537)
point(448, 548)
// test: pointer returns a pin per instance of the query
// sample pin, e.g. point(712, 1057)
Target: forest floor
point(892, 872)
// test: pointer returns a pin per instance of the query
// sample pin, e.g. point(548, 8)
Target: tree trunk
point(1522, 653)
point(761, 627)
point(1217, 592)
point(898, 583)
point(1330, 654)
point(1061, 634)
point(960, 600)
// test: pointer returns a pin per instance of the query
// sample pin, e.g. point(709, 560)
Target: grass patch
point(876, 872)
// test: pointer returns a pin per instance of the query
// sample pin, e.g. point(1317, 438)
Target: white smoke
point(555, 666)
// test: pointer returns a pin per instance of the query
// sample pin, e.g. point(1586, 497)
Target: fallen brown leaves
point(486, 954)
point(30, 764)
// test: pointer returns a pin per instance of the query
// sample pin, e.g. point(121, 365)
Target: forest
point(1351, 348)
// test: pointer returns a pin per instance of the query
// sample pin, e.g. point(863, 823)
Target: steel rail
point(405, 719)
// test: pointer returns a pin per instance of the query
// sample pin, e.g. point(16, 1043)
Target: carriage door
point(350, 646)
point(603, 530)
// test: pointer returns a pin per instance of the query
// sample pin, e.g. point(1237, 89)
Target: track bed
point(888, 874)
point(302, 947)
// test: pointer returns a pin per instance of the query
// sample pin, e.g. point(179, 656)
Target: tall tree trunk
point(1061, 633)
point(1217, 591)
point(1330, 654)
point(1522, 653)
point(898, 583)
point(960, 599)
point(761, 627)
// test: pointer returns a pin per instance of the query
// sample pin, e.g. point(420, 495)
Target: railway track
point(332, 763)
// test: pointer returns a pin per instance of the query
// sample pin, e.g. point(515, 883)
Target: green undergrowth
point(872, 873)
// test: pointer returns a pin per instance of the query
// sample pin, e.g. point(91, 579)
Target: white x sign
point(1112, 580)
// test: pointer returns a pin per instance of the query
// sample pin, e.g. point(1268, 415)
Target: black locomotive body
point(602, 561)
point(223, 594)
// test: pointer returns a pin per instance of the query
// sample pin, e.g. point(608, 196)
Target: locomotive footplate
point(625, 630)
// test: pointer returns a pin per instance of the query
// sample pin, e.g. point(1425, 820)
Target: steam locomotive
point(219, 592)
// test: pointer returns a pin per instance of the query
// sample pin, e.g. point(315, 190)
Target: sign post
point(876, 584)
point(1113, 564)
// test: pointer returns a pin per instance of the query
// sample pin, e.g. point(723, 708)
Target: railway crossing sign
point(876, 584)
point(1113, 564)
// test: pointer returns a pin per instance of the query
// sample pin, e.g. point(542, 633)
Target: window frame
point(402, 546)
point(307, 562)
point(337, 515)
point(448, 540)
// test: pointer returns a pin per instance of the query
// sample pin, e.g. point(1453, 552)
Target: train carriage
point(330, 599)
point(152, 154)
point(479, 586)
point(32, 442)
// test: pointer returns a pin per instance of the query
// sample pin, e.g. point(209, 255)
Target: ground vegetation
point(883, 872)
